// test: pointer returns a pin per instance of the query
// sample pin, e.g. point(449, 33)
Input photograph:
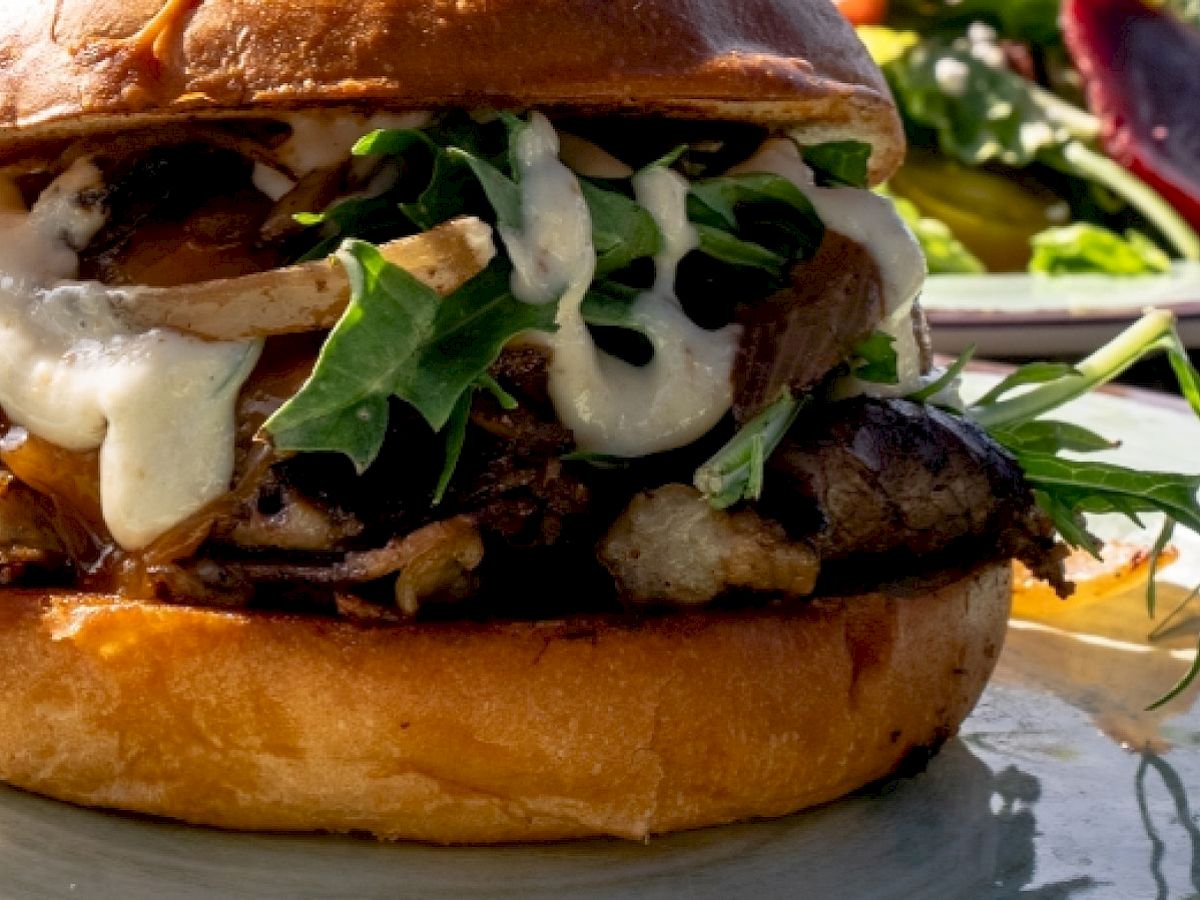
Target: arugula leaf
point(1030, 373)
point(1068, 522)
point(1067, 488)
point(944, 253)
point(1182, 685)
point(1084, 247)
point(841, 163)
point(875, 360)
point(1050, 436)
point(1160, 544)
point(725, 196)
point(1089, 483)
point(487, 383)
point(754, 220)
point(622, 230)
point(1154, 332)
point(502, 192)
point(947, 378)
point(724, 247)
point(397, 337)
point(393, 142)
point(735, 472)
point(456, 437)
point(610, 304)
point(344, 404)
point(470, 329)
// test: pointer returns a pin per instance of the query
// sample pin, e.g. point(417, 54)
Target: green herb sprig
point(1067, 487)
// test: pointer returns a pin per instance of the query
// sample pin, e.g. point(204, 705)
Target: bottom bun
point(467, 732)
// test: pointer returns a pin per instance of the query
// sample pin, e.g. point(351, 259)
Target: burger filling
point(665, 363)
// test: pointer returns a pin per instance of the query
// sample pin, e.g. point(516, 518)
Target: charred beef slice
point(795, 337)
point(892, 478)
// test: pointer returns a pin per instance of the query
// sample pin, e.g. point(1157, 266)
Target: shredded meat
point(29, 544)
point(794, 338)
point(435, 561)
point(167, 225)
point(281, 518)
point(671, 547)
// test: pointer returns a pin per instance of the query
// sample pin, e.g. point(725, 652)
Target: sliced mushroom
point(306, 297)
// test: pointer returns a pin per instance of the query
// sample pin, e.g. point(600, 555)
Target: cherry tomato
point(863, 12)
point(993, 215)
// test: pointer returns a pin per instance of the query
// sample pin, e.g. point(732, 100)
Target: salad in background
point(1035, 150)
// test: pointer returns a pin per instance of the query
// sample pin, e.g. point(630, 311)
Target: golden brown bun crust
point(80, 65)
point(462, 732)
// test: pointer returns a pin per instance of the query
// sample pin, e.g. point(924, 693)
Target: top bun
point(78, 66)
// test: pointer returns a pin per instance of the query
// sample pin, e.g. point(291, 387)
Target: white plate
point(1035, 316)
point(1034, 799)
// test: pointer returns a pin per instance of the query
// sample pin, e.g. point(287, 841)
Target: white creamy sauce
point(39, 245)
point(552, 254)
point(871, 221)
point(611, 406)
point(321, 139)
point(157, 404)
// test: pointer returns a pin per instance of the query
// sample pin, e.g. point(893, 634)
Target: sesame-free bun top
point(70, 67)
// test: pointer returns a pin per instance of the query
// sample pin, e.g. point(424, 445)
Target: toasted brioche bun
point(79, 66)
point(464, 732)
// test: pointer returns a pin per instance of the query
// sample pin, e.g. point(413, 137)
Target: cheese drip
point(157, 404)
point(871, 221)
point(611, 406)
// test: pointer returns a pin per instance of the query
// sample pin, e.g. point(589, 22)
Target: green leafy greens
point(980, 113)
point(839, 163)
point(399, 338)
point(1068, 487)
point(1032, 21)
point(1087, 248)
point(735, 472)
point(875, 360)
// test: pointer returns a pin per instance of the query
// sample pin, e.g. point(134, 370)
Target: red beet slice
point(1142, 71)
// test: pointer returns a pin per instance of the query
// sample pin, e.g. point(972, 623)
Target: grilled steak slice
point(870, 477)
point(795, 337)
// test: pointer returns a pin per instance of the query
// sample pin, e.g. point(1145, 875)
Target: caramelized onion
point(306, 297)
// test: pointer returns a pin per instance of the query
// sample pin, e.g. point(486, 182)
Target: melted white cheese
point(611, 406)
point(871, 221)
point(157, 404)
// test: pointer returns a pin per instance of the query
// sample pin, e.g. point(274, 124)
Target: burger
point(474, 422)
